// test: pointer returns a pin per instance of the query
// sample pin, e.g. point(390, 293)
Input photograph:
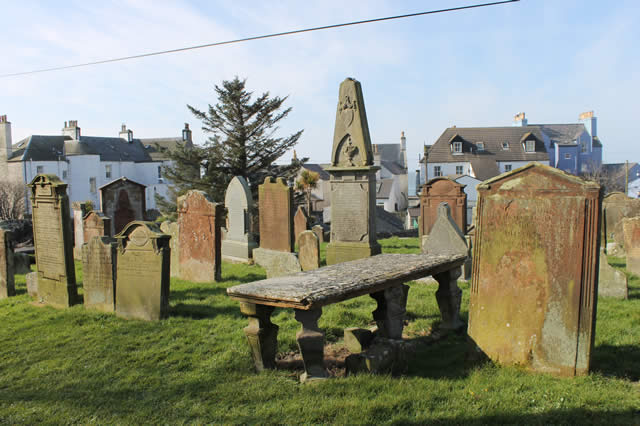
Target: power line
point(306, 30)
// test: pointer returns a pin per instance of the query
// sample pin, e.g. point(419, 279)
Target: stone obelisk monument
point(353, 180)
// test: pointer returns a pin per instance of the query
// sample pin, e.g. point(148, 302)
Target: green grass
point(78, 366)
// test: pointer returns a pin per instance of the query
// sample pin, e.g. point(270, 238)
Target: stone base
point(277, 263)
point(238, 251)
point(384, 356)
point(339, 252)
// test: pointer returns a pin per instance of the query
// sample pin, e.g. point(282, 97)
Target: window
point(480, 146)
point(107, 171)
point(92, 185)
point(459, 170)
point(64, 174)
point(159, 172)
point(457, 147)
point(530, 146)
point(583, 147)
point(567, 156)
point(437, 171)
point(39, 169)
point(505, 146)
point(507, 167)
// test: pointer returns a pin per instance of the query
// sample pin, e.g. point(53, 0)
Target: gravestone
point(352, 180)
point(53, 241)
point(611, 282)
point(319, 231)
point(199, 221)
point(79, 211)
point(442, 190)
point(300, 222)
point(275, 200)
point(238, 242)
point(99, 273)
point(142, 278)
point(615, 207)
point(309, 250)
point(32, 284)
point(172, 229)
point(123, 200)
point(96, 224)
point(631, 232)
point(535, 269)
point(7, 283)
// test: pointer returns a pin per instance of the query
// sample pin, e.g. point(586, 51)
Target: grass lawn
point(79, 366)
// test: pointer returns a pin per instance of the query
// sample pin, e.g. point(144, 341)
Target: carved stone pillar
point(392, 305)
point(449, 297)
point(311, 343)
point(262, 334)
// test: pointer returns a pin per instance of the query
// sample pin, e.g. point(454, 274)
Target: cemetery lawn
point(79, 366)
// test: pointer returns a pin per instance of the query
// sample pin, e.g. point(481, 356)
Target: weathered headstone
point(99, 273)
point(300, 222)
point(172, 229)
point(239, 241)
point(631, 232)
point(7, 283)
point(319, 231)
point(142, 279)
point(53, 241)
point(615, 207)
point(79, 210)
point(123, 200)
point(353, 180)
point(96, 224)
point(32, 284)
point(611, 282)
point(275, 201)
point(442, 190)
point(309, 250)
point(535, 272)
point(199, 221)
point(277, 263)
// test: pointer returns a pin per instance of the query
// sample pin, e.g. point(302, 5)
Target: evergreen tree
point(241, 143)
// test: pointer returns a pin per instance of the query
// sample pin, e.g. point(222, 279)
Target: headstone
point(276, 219)
point(239, 241)
point(199, 221)
point(79, 211)
point(611, 282)
point(631, 232)
point(142, 278)
point(300, 222)
point(7, 283)
point(615, 207)
point(442, 190)
point(123, 200)
point(326, 215)
point(53, 241)
point(444, 236)
point(535, 272)
point(277, 263)
point(352, 180)
point(32, 284)
point(309, 251)
point(172, 229)
point(319, 231)
point(99, 273)
point(96, 224)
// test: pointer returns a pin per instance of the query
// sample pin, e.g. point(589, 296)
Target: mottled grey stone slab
point(309, 251)
point(99, 273)
point(32, 284)
point(611, 282)
point(172, 229)
point(276, 263)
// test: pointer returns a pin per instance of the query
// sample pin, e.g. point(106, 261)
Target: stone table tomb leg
point(311, 343)
point(449, 297)
point(392, 306)
point(262, 334)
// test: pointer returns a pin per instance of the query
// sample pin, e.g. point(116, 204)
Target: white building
point(86, 163)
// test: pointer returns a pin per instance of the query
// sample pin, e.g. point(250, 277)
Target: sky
point(550, 59)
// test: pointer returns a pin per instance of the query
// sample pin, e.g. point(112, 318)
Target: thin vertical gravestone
point(239, 241)
point(300, 222)
point(611, 282)
point(53, 241)
point(353, 180)
point(631, 232)
point(99, 273)
point(142, 278)
point(308, 250)
point(534, 288)
point(172, 229)
point(199, 237)
point(7, 283)
point(79, 211)
point(96, 224)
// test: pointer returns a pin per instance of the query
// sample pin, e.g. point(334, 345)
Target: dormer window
point(480, 146)
point(530, 146)
point(457, 147)
point(505, 146)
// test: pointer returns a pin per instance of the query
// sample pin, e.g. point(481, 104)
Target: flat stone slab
point(342, 281)
point(276, 263)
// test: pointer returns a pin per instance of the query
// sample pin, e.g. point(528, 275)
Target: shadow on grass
point(447, 358)
point(198, 312)
point(243, 278)
point(197, 293)
point(619, 361)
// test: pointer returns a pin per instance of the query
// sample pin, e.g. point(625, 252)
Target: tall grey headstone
point(99, 273)
point(238, 242)
point(172, 229)
point(79, 212)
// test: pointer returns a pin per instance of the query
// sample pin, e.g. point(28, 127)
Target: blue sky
point(550, 59)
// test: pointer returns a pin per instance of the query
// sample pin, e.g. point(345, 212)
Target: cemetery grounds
point(79, 366)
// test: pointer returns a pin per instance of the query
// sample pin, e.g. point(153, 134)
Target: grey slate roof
point(39, 148)
point(317, 168)
point(393, 167)
point(562, 134)
point(383, 188)
point(484, 168)
point(387, 151)
point(155, 146)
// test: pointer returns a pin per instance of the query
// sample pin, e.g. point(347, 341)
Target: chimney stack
point(5, 144)
point(71, 129)
point(126, 134)
point(186, 135)
point(519, 120)
point(590, 122)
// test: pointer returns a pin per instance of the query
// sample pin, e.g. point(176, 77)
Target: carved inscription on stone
point(352, 200)
point(48, 231)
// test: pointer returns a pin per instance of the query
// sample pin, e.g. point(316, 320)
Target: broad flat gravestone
point(611, 282)
point(172, 229)
point(239, 241)
point(79, 211)
point(96, 224)
point(300, 222)
point(309, 251)
point(99, 273)
point(535, 270)
point(631, 232)
point(442, 190)
point(7, 283)
point(53, 241)
point(199, 221)
point(616, 206)
point(142, 279)
point(276, 219)
point(352, 181)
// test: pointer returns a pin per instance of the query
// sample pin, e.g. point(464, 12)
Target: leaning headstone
point(611, 282)
point(300, 222)
point(615, 207)
point(142, 278)
point(199, 221)
point(7, 283)
point(319, 231)
point(353, 180)
point(79, 211)
point(308, 251)
point(275, 200)
point(533, 291)
point(172, 229)
point(99, 273)
point(123, 200)
point(631, 232)
point(53, 241)
point(32, 284)
point(239, 241)
point(96, 224)
point(442, 190)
